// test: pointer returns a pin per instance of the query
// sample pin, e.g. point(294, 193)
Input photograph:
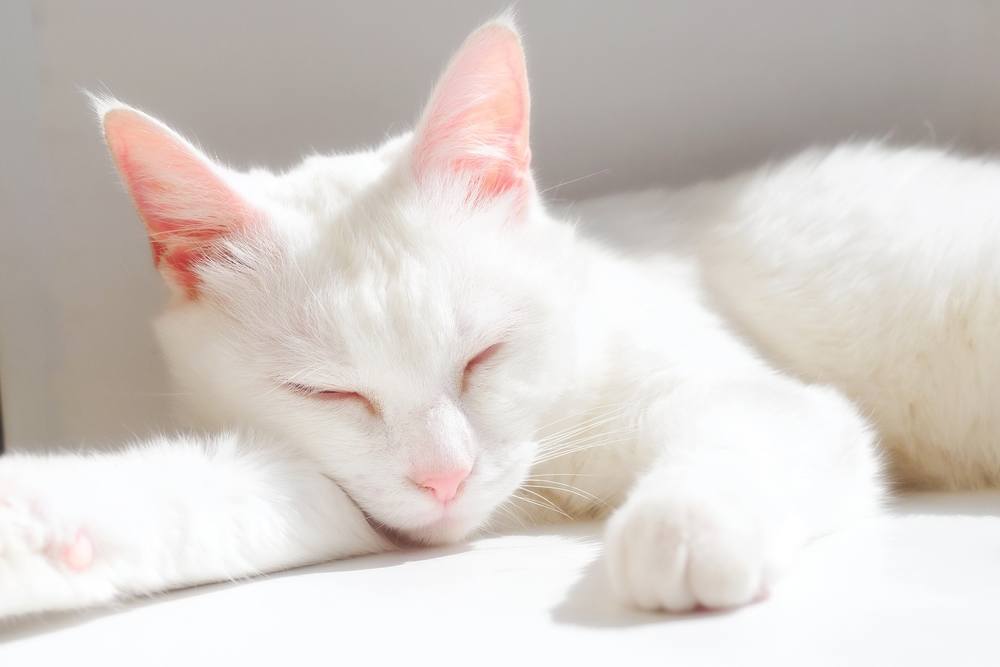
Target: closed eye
point(332, 395)
point(477, 362)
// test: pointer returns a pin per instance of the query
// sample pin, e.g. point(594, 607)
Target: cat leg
point(746, 472)
point(86, 529)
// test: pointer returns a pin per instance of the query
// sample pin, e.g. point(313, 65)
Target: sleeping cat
point(403, 345)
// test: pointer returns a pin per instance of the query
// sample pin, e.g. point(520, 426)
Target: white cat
point(403, 345)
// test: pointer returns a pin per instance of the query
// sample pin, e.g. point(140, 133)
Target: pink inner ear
point(184, 203)
point(478, 117)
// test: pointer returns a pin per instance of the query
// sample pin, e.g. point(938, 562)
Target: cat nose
point(443, 485)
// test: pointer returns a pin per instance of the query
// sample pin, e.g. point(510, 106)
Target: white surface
point(918, 588)
point(629, 94)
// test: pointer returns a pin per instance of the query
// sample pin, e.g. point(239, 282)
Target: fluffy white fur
point(692, 390)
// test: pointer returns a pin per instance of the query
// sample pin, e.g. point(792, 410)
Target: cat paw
point(677, 552)
point(44, 562)
point(27, 531)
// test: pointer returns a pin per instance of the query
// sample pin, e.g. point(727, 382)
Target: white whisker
point(592, 422)
point(589, 436)
point(561, 453)
point(573, 444)
point(580, 493)
point(617, 405)
point(549, 507)
point(575, 180)
point(588, 432)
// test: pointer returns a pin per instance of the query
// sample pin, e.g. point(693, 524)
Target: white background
point(637, 93)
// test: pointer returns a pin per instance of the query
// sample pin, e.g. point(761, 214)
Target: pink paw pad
point(79, 554)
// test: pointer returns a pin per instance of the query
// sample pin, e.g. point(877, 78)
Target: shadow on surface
point(972, 503)
point(591, 603)
point(28, 626)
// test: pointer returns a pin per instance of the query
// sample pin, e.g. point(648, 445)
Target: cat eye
point(478, 361)
point(332, 395)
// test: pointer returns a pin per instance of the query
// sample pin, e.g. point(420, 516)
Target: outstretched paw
point(27, 531)
point(47, 560)
point(678, 552)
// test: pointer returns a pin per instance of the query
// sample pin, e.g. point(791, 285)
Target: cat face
point(396, 314)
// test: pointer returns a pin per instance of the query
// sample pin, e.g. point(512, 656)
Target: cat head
point(400, 315)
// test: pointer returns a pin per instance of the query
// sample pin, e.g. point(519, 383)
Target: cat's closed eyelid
point(483, 356)
point(478, 360)
point(333, 395)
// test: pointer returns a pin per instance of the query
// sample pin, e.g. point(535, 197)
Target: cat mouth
point(445, 530)
point(394, 536)
point(442, 530)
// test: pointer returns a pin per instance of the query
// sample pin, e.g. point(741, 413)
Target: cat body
point(866, 267)
point(404, 345)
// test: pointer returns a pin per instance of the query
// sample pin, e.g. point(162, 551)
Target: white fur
point(863, 266)
point(689, 385)
point(168, 513)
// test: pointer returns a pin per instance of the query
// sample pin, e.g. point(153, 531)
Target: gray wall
point(635, 93)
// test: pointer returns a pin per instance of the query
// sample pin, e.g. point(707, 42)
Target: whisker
point(590, 436)
point(580, 422)
point(551, 456)
point(559, 454)
point(544, 475)
point(575, 444)
point(548, 501)
point(617, 405)
point(508, 509)
point(580, 493)
point(547, 508)
point(599, 172)
point(588, 423)
point(582, 429)
point(556, 482)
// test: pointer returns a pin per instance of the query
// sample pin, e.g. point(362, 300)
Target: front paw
point(27, 533)
point(680, 551)
point(43, 560)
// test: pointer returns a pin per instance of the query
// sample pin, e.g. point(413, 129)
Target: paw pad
point(78, 554)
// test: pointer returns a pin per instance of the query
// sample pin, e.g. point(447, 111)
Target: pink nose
point(444, 485)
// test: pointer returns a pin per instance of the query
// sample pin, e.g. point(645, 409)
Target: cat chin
point(446, 530)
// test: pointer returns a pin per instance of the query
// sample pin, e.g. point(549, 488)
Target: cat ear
point(183, 197)
point(476, 123)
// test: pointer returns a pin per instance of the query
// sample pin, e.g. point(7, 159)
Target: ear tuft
point(102, 103)
point(185, 199)
point(476, 123)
